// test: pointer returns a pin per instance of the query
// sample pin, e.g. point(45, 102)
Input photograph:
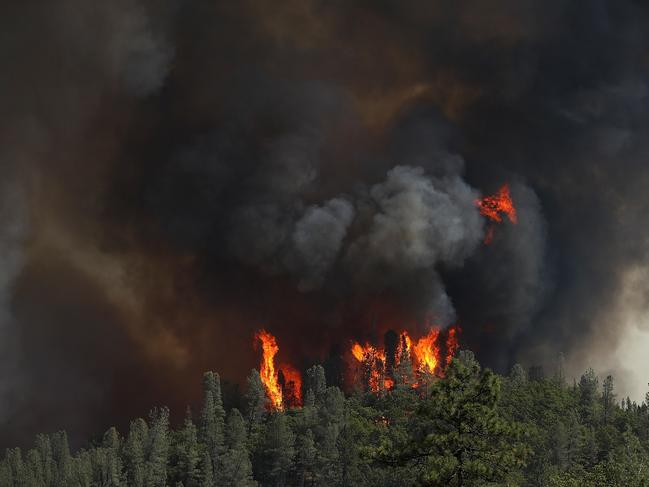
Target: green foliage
point(469, 428)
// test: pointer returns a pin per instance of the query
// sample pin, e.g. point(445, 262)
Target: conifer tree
point(206, 472)
point(44, 448)
point(61, 457)
point(236, 467)
point(316, 381)
point(187, 454)
point(157, 449)
point(278, 450)
point(255, 399)
point(135, 453)
point(608, 399)
point(305, 460)
point(460, 432)
point(212, 418)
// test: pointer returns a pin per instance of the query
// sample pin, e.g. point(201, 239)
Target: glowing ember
point(373, 361)
point(267, 368)
point(292, 387)
point(452, 343)
point(427, 352)
point(494, 206)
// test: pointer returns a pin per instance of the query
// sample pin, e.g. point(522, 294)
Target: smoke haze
point(175, 175)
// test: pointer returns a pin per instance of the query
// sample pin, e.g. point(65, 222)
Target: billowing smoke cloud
point(186, 172)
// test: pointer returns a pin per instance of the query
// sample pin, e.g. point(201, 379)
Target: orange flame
point(452, 343)
point(373, 360)
point(494, 206)
point(425, 355)
point(427, 351)
point(267, 369)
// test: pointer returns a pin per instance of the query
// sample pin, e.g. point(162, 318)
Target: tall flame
point(427, 351)
point(267, 369)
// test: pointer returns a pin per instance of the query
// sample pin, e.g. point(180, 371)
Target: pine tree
point(212, 418)
point(316, 381)
point(588, 385)
point(206, 472)
point(157, 449)
point(517, 376)
point(44, 448)
point(278, 450)
point(459, 431)
point(305, 460)
point(255, 399)
point(608, 398)
point(187, 454)
point(62, 458)
point(236, 466)
point(135, 453)
point(112, 469)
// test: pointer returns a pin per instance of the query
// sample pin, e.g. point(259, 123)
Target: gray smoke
point(191, 171)
point(13, 234)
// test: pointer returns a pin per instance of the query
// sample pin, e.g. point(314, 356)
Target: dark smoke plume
point(177, 174)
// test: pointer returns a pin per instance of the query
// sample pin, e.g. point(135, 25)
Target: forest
point(471, 427)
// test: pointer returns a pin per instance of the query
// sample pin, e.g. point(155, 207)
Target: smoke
point(13, 228)
point(188, 172)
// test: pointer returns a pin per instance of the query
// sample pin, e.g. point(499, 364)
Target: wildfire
point(494, 207)
point(424, 355)
point(427, 352)
point(284, 385)
point(452, 344)
point(292, 386)
point(373, 360)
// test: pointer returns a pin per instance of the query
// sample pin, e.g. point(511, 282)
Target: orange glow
point(427, 352)
point(358, 352)
point(424, 353)
point(494, 206)
point(292, 390)
point(281, 392)
point(403, 347)
point(267, 369)
point(489, 236)
point(373, 361)
point(452, 343)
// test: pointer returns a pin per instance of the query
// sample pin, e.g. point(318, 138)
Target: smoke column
point(176, 175)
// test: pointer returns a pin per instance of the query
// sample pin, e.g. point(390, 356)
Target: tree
point(187, 454)
point(608, 399)
point(135, 453)
point(212, 418)
point(588, 385)
point(278, 450)
point(305, 461)
point(157, 450)
point(236, 466)
point(459, 433)
point(316, 381)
